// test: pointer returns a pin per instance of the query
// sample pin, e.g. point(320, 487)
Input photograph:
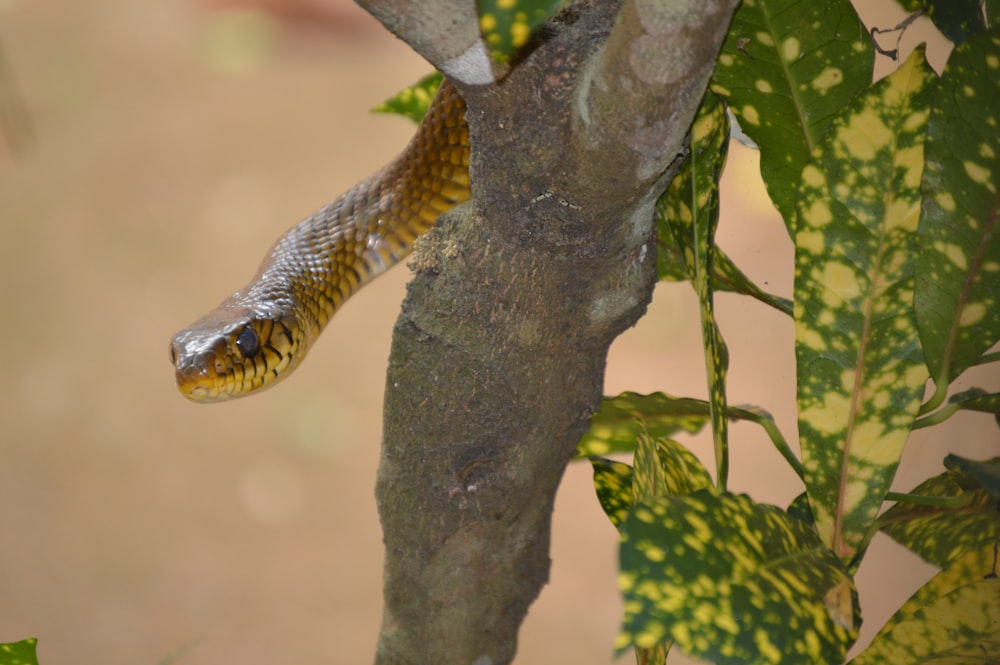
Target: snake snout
point(200, 368)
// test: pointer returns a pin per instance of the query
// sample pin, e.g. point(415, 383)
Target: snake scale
point(261, 332)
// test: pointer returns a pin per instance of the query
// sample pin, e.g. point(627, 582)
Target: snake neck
point(261, 333)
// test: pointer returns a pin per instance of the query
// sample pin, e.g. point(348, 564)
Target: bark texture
point(498, 355)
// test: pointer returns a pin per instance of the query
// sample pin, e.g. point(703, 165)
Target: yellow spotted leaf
point(621, 419)
point(690, 209)
point(954, 618)
point(957, 297)
point(506, 25)
point(693, 196)
point(613, 483)
point(786, 69)
point(413, 101)
point(683, 473)
point(732, 581)
point(972, 566)
point(19, 653)
point(616, 427)
point(860, 372)
point(662, 468)
point(649, 479)
point(964, 518)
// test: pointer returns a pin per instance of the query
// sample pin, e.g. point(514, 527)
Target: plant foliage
point(19, 653)
point(889, 192)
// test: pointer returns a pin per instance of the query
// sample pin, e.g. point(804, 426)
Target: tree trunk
point(498, 355)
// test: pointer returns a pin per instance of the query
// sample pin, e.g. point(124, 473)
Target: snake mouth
point(248, 355)
point(198, 378)
point(196, 393)
point(200, 368)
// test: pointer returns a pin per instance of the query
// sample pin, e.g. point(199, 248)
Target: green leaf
point(941, 534)
point(506, 25)
point(620, 420)
point(786, 69)
point(984, 475)
point(733, 581)
point(648, 477)
point(413, 101)
point(954, 620)
point(972, 566)
point(19, 653)
point(683, 473)
point(860, 372)
point(613, 483)
point(800, 509)
point(690, 207)
point(991, 8)
point(677, 471)
point(956, 19)
point(958, 241)
point(649, 482)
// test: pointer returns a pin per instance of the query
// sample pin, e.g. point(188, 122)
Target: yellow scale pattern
point(262, 332)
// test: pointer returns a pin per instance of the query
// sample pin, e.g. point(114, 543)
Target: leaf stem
point(766, 421)
point(940, 393)
point(987, 358)
point(935, 418)
point(956, 501)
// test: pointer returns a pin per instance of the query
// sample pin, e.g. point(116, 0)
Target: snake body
point(261, 332)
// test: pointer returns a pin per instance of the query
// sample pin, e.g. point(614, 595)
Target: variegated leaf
point(620, 420)
point(413, 101)
point(942, 533)
point(972, 566)
point(860, 372)
point(690, 207)
point(507, 24)
point(954, 618)
point(957, 295)
point(613, 483)
point(678, 472)
point(733, 581)
point(786, 69)
point(983, 475)
point(648, 478)
point(683, 473)
point(19, 653)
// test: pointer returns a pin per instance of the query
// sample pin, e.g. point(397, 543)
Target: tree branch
point(498, 356)
point(445, 32)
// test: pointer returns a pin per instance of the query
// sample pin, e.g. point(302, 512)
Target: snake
point(262, 332)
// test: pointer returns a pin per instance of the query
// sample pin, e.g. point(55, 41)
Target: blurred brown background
point(169, 143)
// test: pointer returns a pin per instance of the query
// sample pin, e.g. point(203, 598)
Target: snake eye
point(247, 342)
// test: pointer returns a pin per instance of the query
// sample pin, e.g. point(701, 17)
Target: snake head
point(233, 351)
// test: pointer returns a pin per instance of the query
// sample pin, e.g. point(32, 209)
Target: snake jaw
point(200, 365)
point(233, 352)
